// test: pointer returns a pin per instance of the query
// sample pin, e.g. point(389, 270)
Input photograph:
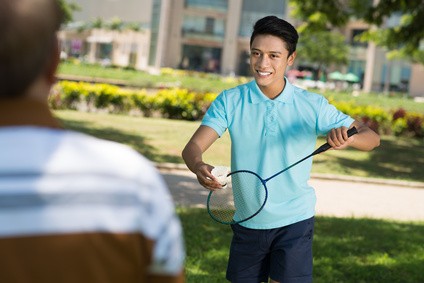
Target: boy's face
point(268, 62)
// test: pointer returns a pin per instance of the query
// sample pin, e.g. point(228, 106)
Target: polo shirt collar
point(26, 112)
point(257, 96)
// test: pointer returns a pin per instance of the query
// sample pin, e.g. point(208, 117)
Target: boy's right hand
point(205, 177)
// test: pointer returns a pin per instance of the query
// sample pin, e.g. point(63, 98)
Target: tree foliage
point(322, 49)
point(404, 38)
point(320, 14)
point(68, 10)
point(317, 45)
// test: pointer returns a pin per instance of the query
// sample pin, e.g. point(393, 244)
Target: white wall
point(126, 10)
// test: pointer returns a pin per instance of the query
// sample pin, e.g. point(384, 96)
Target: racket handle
point(352, 131)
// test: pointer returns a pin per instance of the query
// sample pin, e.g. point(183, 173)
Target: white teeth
point(264, 73)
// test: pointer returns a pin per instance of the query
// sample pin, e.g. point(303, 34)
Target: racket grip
point(352, 131)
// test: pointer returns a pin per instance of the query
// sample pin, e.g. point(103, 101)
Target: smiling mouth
point(263, 74)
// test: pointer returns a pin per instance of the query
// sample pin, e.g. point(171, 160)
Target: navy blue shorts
point(282, 254)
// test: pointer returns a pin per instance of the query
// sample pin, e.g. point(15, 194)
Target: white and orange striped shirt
point(74, 208)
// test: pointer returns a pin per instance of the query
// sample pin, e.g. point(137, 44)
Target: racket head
point(243, 198)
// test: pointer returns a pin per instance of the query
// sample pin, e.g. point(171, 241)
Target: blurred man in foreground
point(73, 208)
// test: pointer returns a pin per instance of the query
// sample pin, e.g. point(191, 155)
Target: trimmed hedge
point(179, 103)
point(397, 122)
point(173, 103)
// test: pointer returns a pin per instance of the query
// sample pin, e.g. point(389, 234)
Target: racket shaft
point(321, 149)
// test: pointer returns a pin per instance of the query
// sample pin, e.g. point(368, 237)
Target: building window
point(357, 67)
point(220, 5)
point(154, 29)
point(203, 27)
point(104, 51)
point(253, 10)
point(244, 64)
point(209, 26)
point(199, 58)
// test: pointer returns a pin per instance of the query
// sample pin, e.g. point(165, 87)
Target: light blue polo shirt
point(270, 135)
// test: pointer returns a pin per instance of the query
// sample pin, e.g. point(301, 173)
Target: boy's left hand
point(338, 138)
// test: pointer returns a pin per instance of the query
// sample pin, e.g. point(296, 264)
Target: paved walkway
point(354, 197)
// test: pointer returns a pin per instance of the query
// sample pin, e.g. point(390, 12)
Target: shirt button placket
point(270, 118)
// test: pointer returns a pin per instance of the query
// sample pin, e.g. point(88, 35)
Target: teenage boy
point(273, 124)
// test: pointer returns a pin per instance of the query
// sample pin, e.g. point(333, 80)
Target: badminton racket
point(246, 193)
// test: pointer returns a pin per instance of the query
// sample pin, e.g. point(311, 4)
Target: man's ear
point(53, 63)
point(291, 58)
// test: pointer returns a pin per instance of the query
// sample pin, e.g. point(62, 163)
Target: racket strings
point(243, 198)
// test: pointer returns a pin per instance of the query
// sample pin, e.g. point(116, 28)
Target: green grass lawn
point(162, 140)
point(201, 82)
point(345, 250)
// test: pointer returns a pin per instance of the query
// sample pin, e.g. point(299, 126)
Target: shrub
point(399, 126)
point(144, 103)
point(374, 117)
point(69, 95)
point(178, 104)
point(90, 95)
point(104, 95)
point(407, 123)
point(400, 113)
point(121, 102)
point(415, 124)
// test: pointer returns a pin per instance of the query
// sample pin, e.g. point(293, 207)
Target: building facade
point(123, 48)
point(370, 63)
point(213, 36)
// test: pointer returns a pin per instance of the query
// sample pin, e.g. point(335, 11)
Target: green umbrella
point(336, 76)
point(350, 77)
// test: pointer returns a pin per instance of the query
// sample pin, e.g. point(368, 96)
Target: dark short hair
point(272, 25)
point(27, 40)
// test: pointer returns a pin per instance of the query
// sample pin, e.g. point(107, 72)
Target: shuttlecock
point(220, 173)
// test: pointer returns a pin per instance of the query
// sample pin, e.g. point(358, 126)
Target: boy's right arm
point(192, 154)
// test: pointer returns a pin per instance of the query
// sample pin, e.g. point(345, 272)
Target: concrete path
point(353, 197)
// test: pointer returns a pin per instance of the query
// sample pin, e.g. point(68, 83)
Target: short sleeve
point(330, 117)
point(216, 116)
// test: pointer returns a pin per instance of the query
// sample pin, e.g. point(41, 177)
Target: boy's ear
point(291, 58)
